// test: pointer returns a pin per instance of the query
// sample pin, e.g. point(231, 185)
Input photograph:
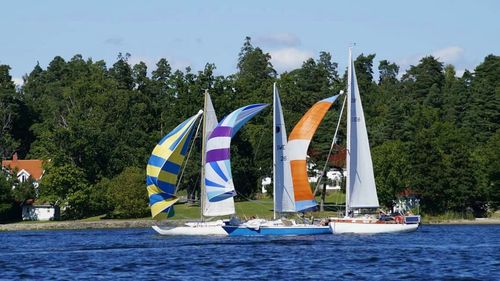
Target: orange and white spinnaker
point(298, 142)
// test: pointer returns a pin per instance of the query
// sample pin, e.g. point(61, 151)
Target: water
point(433, 252)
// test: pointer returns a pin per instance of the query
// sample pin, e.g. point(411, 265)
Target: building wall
point(40, 213)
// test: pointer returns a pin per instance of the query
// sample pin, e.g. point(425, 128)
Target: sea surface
point(434, 252)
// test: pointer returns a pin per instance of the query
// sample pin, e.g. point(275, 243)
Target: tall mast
point(348, 158)
point(203, 144)
point(274, 151)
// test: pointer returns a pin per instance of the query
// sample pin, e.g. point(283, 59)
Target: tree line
point(430, 131)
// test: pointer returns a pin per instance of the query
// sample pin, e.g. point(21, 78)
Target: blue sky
point(192, 33)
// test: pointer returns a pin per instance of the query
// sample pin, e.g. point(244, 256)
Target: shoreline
point(143, 223)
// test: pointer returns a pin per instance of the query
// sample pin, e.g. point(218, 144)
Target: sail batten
point(298, 143)
point(164, 166)
point(362, 192)
point(218, 178)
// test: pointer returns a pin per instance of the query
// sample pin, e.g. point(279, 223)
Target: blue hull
point(278, 230)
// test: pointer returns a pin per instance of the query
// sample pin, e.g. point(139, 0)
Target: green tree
point(127, 194)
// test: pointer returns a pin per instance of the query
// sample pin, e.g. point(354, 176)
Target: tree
point(8, 113)
point(392, 174)
point(388, 72)
point(127, 194)
point(60, 182)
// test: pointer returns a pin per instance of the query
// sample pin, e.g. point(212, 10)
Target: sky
point(193, 33)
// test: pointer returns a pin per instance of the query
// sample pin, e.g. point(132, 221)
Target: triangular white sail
point(226, 206)
point(361, 192)
point(282, 183)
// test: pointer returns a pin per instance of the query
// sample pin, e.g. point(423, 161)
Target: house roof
point(33, 167)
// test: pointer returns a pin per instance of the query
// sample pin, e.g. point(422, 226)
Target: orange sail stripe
point(302, 189)
point(307, 126)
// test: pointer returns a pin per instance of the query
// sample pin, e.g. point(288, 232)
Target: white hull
point(193, 228)
point(360, 227)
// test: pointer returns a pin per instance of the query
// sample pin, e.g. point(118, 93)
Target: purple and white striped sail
point(218, 178)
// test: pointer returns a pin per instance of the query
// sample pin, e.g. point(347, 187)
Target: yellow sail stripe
point(160, 206)
point(167, 177)
point(153, 189)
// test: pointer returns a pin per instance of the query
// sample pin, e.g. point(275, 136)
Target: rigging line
point(331, 147)
point(258, 202)
point(260, 140)
point(189, 154)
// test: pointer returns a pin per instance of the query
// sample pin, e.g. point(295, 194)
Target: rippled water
point(433, 252)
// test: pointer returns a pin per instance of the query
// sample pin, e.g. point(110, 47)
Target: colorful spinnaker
point(164, 166)
point(218, 178)
point(222, 207)
point(298, 142)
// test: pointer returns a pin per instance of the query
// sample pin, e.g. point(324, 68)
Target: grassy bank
point(262, 208)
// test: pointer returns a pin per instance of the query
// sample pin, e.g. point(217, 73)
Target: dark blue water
point(431, 253)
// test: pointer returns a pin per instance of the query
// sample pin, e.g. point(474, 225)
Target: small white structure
point(334, 179)
point(265, 183)
point(40, 212)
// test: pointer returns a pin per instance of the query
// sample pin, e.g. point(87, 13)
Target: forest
point(431, 131)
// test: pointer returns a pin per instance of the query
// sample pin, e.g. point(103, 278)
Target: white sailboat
point(209, 208)
point(361, 192)
point(291, 188)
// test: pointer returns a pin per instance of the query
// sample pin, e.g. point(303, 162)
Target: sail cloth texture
point(284, 200)
point(222, 207)
point(298, 143)
point(218, 178)
point(361, 181)
point(164, 166)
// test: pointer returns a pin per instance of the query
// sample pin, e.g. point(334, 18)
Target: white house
point(40, 212)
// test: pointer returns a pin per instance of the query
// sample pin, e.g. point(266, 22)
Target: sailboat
point(173, 149)
point(361, 192)
point(291, 189)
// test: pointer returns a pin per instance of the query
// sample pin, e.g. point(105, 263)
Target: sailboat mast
point(274, 151)
point(348, 142)
point(203, 144)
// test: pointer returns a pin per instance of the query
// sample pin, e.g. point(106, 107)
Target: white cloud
point(449, 55)
point(278, 39)
point(288, 58)
point(18, 81)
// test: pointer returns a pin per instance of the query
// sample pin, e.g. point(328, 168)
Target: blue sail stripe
point(158, 197)
point(218, 170)
point(166, 187)
point(211, 183)
point(151, 180)
point(179, 139)
point(174, 131)
point(171, 167)
point(156, 161)
point(185, 147)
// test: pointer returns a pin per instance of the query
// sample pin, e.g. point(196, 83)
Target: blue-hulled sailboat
point(291, 188)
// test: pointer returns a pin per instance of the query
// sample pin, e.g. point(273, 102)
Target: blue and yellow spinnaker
point(164, 166)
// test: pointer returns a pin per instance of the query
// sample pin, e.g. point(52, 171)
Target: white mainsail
point(361, 192)
point(284, 200)
point(223, 207)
